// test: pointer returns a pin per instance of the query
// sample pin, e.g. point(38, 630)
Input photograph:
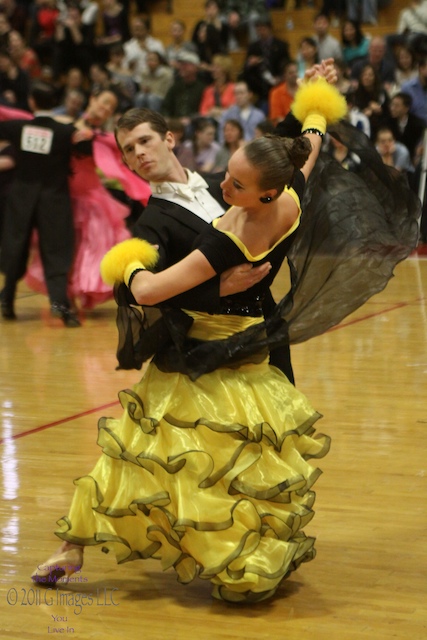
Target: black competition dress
point(210, 468)
point(211, 476)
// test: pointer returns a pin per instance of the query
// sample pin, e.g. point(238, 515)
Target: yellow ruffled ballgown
point(211, 477)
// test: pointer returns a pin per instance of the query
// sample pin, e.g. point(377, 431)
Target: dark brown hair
point(132, 118)
point(276, 159)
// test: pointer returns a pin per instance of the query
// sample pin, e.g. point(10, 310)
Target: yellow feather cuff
point(314, 121)
point(133, 266)
point(319, 97)
point(116, 261)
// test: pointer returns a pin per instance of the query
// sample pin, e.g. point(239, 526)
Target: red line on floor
point(57, 422)
point(369, 315)
point(342, 325)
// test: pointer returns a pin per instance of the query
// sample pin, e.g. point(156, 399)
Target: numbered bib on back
point(36, 139)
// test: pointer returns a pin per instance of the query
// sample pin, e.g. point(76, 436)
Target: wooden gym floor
point(368, 377)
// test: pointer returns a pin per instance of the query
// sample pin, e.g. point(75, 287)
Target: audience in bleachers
point(178, 43)
point(347, 159)
point(241, 16)
point(354, 43)
point(121, 76)
point(214, 99)
point(73, 41)
point(209, 37)
point(17, 14)
point(45, 14)
point(184, 96)
point(72, 105)
point(406, 67)
point(219, 95)
point(417, 89)
point(371, 98)
point(156, 81)
point(307, 55)
point(138, 46)
point(407, 127)
point(282, 95)
point(115, 29)
point(25, 57)
point(5, 29)
point(327, 45)
point(378, 59)
point(393, 153)
point(244, 111)
point(232, 134)
point(364, 11)
point(264, 62)
point(200, 151)
point(14, 83)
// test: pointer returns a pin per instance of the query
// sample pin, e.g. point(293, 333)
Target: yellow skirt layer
point(210, 477)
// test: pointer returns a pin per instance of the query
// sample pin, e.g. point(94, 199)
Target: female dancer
point(208, 470)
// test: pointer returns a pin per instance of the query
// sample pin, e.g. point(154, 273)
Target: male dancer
point(39, 198)
point(181, 204)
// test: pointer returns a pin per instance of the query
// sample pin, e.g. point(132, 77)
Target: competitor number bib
point(36, 139)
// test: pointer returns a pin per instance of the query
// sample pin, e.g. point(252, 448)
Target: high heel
point(59, 568)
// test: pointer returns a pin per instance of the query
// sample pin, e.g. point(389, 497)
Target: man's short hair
point(132, 118)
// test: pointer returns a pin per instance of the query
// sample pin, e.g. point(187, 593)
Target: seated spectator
point(335, 10)
point(185, 94)
point(216, 29)
point(99, 78)
point(115, 29)
point(209, 37)
point(5, 30)
point(73, 42)
point(347, 159)
point(263, 128)
point(220, 94)
point(90, 11)
point(155, 83)
point(73, 105)
point(139, 45)
point(73, 79)
point(232, 135)
point(264, 62)
point(179, 133)
point(14, 83)
point(121, 77)
point(371, 98)
point(205, 53)
point(363, 11)
point(327, 45)
point(393, 153)
point(355, 45)
point(179, 43)
point(243, 111)
point(412, 25)
point(406, 68)
point(343, 83)
point(199, 153)
point(406, 127)
point(357, 118)
point(307, 55)
point(282, 95)
point(417, 89)
point(17, 14)
point(241, 17)
point(42, 29)
point(25, 57)
point(378, 59)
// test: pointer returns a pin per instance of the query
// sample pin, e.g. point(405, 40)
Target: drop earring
point(266, 199)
